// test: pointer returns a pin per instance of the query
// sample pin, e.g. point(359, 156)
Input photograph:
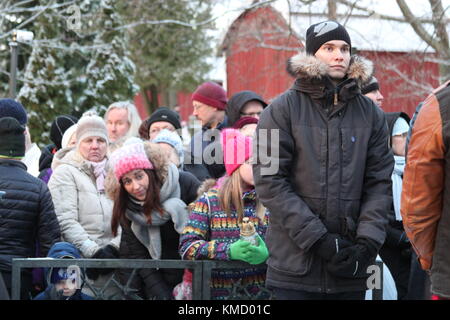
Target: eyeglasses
point(252, 114)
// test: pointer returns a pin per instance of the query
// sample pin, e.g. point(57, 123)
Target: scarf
point(99, 173)
point(174, 209)
point(397, 179)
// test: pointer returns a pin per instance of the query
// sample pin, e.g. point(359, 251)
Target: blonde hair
point(230, 194)
point(134, 119)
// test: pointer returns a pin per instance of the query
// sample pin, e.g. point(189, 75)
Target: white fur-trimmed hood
point(306, 66)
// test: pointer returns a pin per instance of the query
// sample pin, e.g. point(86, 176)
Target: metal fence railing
point(201, 274)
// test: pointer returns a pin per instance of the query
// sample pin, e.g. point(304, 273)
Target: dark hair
point(143, 129)
point(151, 202)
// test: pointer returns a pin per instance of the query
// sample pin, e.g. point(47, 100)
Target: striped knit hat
point(129, 157)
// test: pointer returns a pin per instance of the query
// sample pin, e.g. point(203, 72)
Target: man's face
point(117, 123)
point(399, 144)
point(376, 97)
point(157, 126)
point(204, 113)
point(253, 109)
point(336, 55)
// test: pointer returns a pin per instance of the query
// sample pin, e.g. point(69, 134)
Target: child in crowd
point(63, 283)
point(213, 228)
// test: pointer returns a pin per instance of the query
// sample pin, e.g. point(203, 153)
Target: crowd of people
point(351, 184)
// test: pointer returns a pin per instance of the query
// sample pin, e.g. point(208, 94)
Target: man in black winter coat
point(327, 178)
point(26, 207)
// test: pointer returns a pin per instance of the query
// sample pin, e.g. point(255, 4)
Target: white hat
point(68, 135)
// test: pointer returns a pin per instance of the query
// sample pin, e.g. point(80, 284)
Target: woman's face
point(93, 149)
point(136, 183)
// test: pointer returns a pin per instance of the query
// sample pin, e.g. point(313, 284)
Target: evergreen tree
point(45, 80)
point(110, 72)
point(71, 71)
point(169, 55)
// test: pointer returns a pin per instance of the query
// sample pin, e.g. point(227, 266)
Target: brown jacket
point(425, 204)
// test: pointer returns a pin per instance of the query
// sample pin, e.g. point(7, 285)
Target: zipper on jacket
point(325, 282)
point(336, 96)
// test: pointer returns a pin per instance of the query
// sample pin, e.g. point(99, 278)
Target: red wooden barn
point(259, 42)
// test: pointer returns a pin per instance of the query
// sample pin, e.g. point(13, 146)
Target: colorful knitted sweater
point(209, 234)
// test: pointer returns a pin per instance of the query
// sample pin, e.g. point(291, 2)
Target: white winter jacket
point(84, 213)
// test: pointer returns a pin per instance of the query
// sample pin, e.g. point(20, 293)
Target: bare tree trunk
point(145, 98)
point(154, 98)
point(441, 33)
point(440, 43)
point(332, 8)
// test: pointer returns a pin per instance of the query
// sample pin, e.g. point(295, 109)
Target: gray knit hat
point(91, 126)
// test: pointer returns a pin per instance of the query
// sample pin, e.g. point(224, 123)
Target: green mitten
point(239, 250)
point(258, 254)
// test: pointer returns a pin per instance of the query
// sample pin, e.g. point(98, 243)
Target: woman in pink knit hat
point(147, 206)
point(213, 228)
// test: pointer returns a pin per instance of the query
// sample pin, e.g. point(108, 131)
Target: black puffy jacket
point(27, 214)
point(333, 174)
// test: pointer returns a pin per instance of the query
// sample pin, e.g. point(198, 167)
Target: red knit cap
point(237, 149)
point(244, 121)
point(211, 94)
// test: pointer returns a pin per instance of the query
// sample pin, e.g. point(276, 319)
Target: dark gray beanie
point(12, 138)
point(322, 32)
point(369, 86)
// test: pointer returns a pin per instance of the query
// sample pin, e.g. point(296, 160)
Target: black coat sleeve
point(189, 185)
point(48, 229)
point(377, 189)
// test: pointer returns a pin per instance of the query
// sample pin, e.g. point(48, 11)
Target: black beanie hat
point(322, 32)
point(12, 138)
point(13, 108)
point(165, 114)
point(369, 86)
point(59, 126)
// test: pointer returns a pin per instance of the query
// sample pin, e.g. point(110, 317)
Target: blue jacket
point(27, 214)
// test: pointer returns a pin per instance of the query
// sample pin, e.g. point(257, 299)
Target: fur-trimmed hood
point(71, 157)
point(206, 186)
point(306, 66)
point(156, 156)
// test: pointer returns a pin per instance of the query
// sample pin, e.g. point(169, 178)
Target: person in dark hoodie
point(244, 104)
point(327, 183)
point(57, 129)
point(62, 283)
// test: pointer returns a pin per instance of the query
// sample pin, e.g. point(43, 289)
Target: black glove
point(106, 252)
point(352, 262)
point(396, 238)
point(327, 246)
